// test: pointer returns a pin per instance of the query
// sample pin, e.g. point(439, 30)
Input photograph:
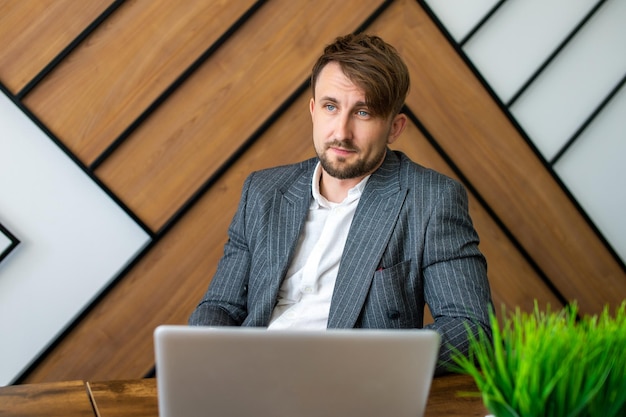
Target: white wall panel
point(74, 240)
point(460, 16)
point(562, 98)
point(519, 37)
point(594, 169)
point(509, 48)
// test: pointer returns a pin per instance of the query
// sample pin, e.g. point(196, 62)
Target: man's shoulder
point(288, 169)
point(412, 171)
point(278, 176)
point(298, 166)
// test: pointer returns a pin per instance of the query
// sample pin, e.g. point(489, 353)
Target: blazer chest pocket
point(395, 299)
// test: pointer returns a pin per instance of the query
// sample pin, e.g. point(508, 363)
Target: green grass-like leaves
point(549, 363)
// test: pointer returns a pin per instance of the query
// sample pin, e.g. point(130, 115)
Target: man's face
point(350, 142)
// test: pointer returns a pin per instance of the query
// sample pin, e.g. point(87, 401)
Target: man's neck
point(336, 190)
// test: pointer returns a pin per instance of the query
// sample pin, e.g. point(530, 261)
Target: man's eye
point(363, 113)
point(330, 107)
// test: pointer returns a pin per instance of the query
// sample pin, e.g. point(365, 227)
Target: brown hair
point(371, 64)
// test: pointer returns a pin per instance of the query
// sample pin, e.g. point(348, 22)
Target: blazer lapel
point(370, 231)
point(287, 215)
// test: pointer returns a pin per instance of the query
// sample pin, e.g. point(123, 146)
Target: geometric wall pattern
point(74, 240)
point(558, 70)
point(8, 242)
point(170, 105)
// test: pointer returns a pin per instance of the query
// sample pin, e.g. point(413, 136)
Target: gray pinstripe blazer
point(411, 241)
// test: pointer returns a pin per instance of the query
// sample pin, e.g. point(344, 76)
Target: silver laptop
point(253, 372)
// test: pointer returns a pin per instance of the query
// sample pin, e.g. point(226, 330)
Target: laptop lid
point(239, 371)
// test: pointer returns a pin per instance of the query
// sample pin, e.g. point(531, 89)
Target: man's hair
point(372, 65)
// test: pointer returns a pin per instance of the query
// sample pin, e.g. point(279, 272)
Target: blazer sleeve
point(225, 301)
point(456, 287)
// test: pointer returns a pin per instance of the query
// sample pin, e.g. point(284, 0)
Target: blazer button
point(393, 314)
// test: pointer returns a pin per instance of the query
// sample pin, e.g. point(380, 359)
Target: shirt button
point(307, 290)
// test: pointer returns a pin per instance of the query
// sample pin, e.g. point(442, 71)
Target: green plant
point(550, 364)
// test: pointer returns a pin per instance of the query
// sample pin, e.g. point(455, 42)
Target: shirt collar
point(320, 201)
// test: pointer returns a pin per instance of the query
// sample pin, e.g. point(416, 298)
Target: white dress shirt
point(305, 294)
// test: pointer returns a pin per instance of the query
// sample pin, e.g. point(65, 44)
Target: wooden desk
point(138, 398)
point(62, 399)
point(444, 399)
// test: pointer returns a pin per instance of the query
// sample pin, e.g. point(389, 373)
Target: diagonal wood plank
point(513, 281)
point(32, 33)
point(114, 341)
point(484, 144)
point(223, 103)
point(208, 118)
point(110, 79)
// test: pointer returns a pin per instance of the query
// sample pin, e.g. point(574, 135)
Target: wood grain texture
point(483, 143)
point(34, 32)
point(512, 279)
point(198, 132)
point(114, 341)
point(95, 94)
point(166, 285)
point(215, 112)
point(447, 398)
point(132, 398)
point(178, 269)
point(139, 398)
point(55, 399)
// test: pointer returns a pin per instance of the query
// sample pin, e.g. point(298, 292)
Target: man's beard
point(343, 171)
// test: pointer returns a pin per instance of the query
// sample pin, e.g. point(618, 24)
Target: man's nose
point(343, 128)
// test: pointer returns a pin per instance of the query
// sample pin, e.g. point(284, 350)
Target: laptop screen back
point(236, 371)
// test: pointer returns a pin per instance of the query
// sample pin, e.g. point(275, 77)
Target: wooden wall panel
point(34, 32)
point(175, 151)
point(504, 260)
point(95, 94)
point(178, 270)
point(484, 144)
point(183, 257)
point(169, 281)
point(195, 144)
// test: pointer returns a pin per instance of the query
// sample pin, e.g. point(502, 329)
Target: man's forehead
point(332, 82)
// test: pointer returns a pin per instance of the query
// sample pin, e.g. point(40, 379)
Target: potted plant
point(551, 363)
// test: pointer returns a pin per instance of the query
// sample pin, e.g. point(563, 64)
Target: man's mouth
point(341, 149)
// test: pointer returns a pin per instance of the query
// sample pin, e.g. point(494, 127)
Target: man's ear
point(311, 106)
point(397, 127)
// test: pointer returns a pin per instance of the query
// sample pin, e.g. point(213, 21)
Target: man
point(360, 236)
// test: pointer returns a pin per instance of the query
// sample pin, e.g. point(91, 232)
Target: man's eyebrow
point(334, 100)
